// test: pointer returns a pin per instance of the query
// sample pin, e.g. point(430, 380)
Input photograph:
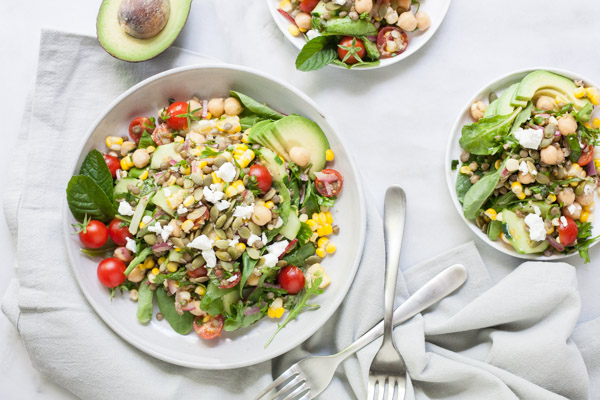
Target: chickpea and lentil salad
point(528, 170)
point(352, 33)
point(217, 209)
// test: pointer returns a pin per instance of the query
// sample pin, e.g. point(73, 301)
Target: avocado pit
point(143, 19)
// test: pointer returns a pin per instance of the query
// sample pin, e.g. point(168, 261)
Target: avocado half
point(121, 45)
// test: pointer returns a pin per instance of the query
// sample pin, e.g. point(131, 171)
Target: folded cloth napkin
point(506, 341)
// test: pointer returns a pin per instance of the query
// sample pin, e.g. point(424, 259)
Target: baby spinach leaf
point(299, 255)
point(463, 184)
point(479, 193)
point(371, 48)
point(145, 305)
point(146, 141)
point(181, 324)
point(575, 147)
point(95, 167)
point(248, 120)
point(212, 301)
point(316, 53)
point(585, 113)
point(494, 230)
point(248, 265)
point(238, 320)
point(85, 197)
point(255, 107)
point(348, 27)
point(522, 117)
point(480, 137)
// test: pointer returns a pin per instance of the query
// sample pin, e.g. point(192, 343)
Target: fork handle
point(433, 291)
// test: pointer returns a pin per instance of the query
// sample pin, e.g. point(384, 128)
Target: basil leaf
point(479, 193)
point(315, 54)
point(255, 107)
point(85, 197)
point(463, 184)
point(248, 265)
point(145, 304)
point(95, 167)
point(348, 27)
point(480, 137)
point(146, 141)
point(371, 48)
point(181, 324)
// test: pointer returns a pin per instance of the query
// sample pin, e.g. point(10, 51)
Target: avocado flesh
point(269, 160)
point(160, 199)
point(164, 153)
point(519, 236)
point(292, 227)
point(125, 47)
point(546, 83)
point(121, 186)
point(260, 133)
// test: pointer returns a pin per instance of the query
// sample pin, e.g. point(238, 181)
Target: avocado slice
point(297, 131)
point(542, 82)
point(322, 8)
point(261, 134)
point(160, 199)
point(516, 234)
point(504, 107)
point(123, 46)
point(229, 299)
point(166, 152)
point(517, 103)
point(291, 228)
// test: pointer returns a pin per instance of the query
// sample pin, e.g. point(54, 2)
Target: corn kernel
point(144, 175)
point(178, 139)
point(237, 129)
point(579, 92)
point(200, 291)
point(328, 229)
point(126, 163)
point(551, 198)
point(172, 266)
point(312, 224)
point(322, 218)
point(497, 164)
point(271, 312)
point(550, 230)
point(185, 171)
point(245, 138)
point(171, 180)
point(231, 191)
point(279, 312)
point(584, 216)
point(320, 252)
point(465, 170)
point(589, 207)
point(329, 155)
point(595, 99)
point(592, 91)
point(596, 123)
point(521, 196)
point(208, 115)
point(195, 152)
point(189, 201)
point(155, 271)
point(150, 149)
point(269, 204)
point(517, 187)
point(161, 260)
point(206, 318)
point(293, 30)
point(240, 247)
point(241, 147)
point(114, 142)
point(330, 248)
point(328, 217)
point(322, 242)
point(239, 185)
point(560, 100)
point(187, 225)
point(148, 263)
point(216, 179)
point(491, 213)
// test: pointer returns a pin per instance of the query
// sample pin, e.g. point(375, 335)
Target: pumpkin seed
point(220, 221)
point(230, 233)
point(282, 263)
point(246, 179)
point(237, 223)
point(228, 222)
point(255, 229)
point(223, 255)
point(207, 229)
point(253, 253)
point(150, 238)
point(198, 194)
point(549, 131)
point(545, 143)
point(214, 213)
point(222, 244)
point(233, 253)
point(269, 195)
point(178, 242)
point(258, 244)
point(580, 189)
point(208, 180)
point(198, 262)
point(220, 233)
point(244, 232)
point(227, 266)
point(219, 161)
point(543, 179)
point(313, 260)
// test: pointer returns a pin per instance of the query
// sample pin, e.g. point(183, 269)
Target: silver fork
point(307, 378)
point(388, 370)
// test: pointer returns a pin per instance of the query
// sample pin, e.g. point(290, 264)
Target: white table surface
point(396, 120)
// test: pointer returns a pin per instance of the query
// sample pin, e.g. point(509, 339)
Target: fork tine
point(371, 388)
point(392, 383)
point(382, 384)
point(292, 384)
point(287, 374)
point(302, 389)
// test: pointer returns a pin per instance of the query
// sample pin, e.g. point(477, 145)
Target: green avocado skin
point(545, 83)
point(127, 48)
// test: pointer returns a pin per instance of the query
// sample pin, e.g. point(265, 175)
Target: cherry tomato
point(586, 156)
point(263, 177)
point(197, 273)
point(111, 272)
point(138, 126)
point(94, 235)
point(567, 233)
point(329, 182)
point(391, 41)
point(209, 329)
point(291, 279)
point(359, 48)
point(175, 109)
point(113, 164)
point(118, 233)
point(228, 284)
point(308, 5)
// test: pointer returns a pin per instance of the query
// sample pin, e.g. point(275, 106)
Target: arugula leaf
point(316, 53)
point(481, 137)
point(85, 197)
point(248, 120)
point(454, 165)
point(313, 200)
point(146, 141)
point(584, 240)
point(256, 107)
point(248, 265)
point(181, 324)
point(348, 27)
point(145, 302)
point(209, 152)
point(285, 205)
point(371, 48)
point(575, 147)
point(585, 113)
point(95, 167)
point(238, 320)
point(212, 301)
point(311, 288)
point(176, 276)
point(299, 255)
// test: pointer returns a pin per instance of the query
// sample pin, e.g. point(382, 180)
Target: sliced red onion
point(186, 144)
point(372, 38)
point(271, 285)
point(544, 115)
point(591, 168)
point(323, 177)
point(554, 243)
point(304, 177)
point(204, 108)
point(172, 286)
point(328, 189)
point(189, 306)
point(251, 310)
point(505, 173)
point(302, 193)
point(288, 247)
point(172, 162)
point(160, 247)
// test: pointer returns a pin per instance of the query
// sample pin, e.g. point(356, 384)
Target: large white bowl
point(453, 152)
point(436, 9)
point(243, 347)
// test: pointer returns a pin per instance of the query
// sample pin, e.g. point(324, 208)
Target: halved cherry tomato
point(329, 182)
point(138, 126)
point(586, 156)
point(197, 273)
point(209, 329)
point(228, 284)
point(118, 233)
point(358, 46)
point(160, 132)
point(308, 5)
point(263, 177)
point(567, 232)
point(291, 279)
point(94, 235)
point(111, 272)
point(175, 120)
point(113, 164)
point(391, 41)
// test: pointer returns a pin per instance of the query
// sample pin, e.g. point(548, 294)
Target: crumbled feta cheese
point(311, 34)
point(243, 211)
point(339, 2)
point(227, 172)
point(537, 211)
point(217, 187)
point(156, 228)
point(212, 195)
point(563, 221)
point(146, 219)
point(210, 258)
point(270, 260)
point(529, 138)
point(252, 239)
point(587, 189)
point(222, 205)
point(523, 168)
point(182, 209)
point(163, 231)
point(264, 238)
point(232, 278)
point(201, 242)
point(130, 244)
point(537, 230)
point(278, 248)
point(234, 241)
point(167, 192)
point(125, 208)
point(571, 208)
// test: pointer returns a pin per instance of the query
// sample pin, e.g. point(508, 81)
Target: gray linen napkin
point(504, 342)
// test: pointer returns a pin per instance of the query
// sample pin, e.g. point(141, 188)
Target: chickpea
point(123, 254)
point(545, 103)
point(261, 215)
point(526, 178)
point(586, 199)
point(136, 275)
point(194, 105)
point(232, 106)
point(216, 107)
point(567, 125)
point(140, 158)
point(572, 211)
point(391, 17)
point(176, 228)
point(303, 20)
point(253, 280)
point(477, 110)
point(423, 21)
point(566, 197)
point(407, 21)
point(300, 155)
point(363, 6)
point(551, 155)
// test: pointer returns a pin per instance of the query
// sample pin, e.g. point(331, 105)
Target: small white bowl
point(246, 346)
point(436, 9)
point(453, 152)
